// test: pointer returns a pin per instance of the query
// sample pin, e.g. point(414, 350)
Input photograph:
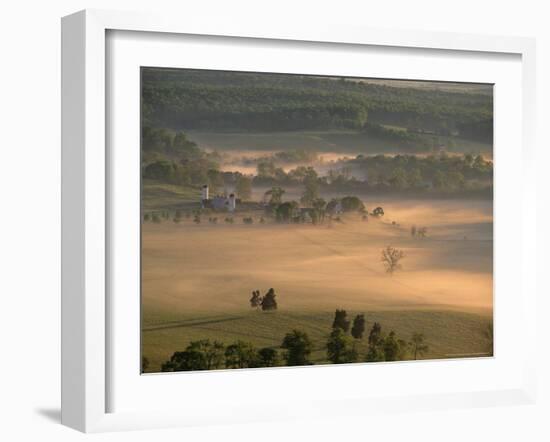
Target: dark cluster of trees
point(441, 172)
point(342, 347)
point(215, 100)
point(317, 209)
point(390, 347)
point(266, 302)
point(307, 177)
point(170, 157)
point(211, 355)
point(161, 141)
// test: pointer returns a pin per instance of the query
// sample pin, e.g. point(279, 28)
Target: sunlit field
point(197, 279)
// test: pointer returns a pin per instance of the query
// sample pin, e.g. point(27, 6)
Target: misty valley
point(301, 220)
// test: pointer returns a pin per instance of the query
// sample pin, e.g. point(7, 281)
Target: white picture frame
point(86, 206)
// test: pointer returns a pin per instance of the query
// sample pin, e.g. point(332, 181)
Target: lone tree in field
point(418, 345)
point(298, 347)
point(391, 258)
point(256, 300)
point(268, 301)
point(358, 327)
point(378, 212)
point(341, 320)
point(413, 230)
point(341, 348)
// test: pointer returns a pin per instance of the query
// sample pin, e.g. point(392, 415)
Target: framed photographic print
point(250, 214)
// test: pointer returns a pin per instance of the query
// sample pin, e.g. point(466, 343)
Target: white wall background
point(30, 216)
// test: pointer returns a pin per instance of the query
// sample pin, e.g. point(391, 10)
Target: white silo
point(205, 193)
point(232, 202)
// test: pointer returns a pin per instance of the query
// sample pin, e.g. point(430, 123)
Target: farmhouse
point(219, 202)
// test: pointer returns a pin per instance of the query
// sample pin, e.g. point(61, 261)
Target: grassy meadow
point(450, 334)
point(330, 144)
point(197, 279)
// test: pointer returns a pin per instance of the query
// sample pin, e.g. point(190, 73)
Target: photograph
point(301, 220)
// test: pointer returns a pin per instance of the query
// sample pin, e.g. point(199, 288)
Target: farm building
point(219, 202)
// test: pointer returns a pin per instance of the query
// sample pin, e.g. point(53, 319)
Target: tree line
point(449, 173)
point(342, 347)
point(217, 100)
point(314, 209)
point(170, 157)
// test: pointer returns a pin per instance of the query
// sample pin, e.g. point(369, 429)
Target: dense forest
point(238, 101)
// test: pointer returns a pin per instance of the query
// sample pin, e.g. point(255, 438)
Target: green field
point(331, 141)
point(158, 196)
point(449, 334)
